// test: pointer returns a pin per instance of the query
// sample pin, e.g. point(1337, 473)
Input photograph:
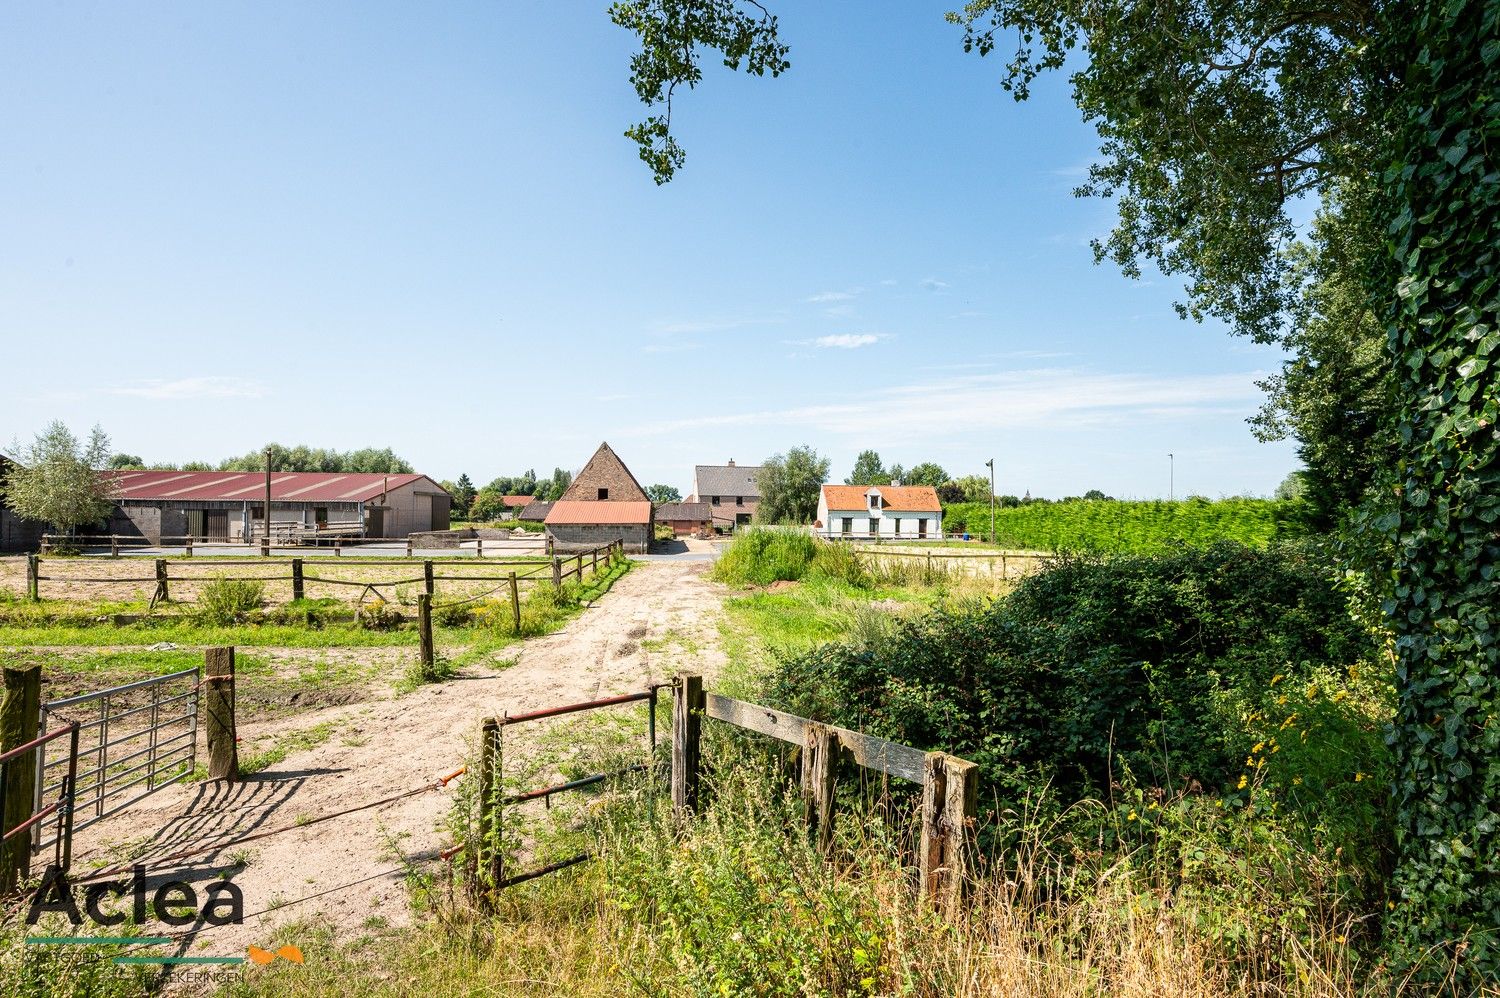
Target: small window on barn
point(739, 500)
point(603, 494)
point(257, 513)
point(320, 515)
point(714, 500)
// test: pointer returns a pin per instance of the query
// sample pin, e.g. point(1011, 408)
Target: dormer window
point(874, 500)
point(603, 494)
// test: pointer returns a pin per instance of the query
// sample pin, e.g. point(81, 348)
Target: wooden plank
point(687, 732)
point(298, 589)
point(218, 714)
point(488, 857)
point(515, 602)
point(20, 716)
point(949, 804)
point(869, 751)
point(820, 768)
point(161, 581)
point(33, 577)
point(426, 651)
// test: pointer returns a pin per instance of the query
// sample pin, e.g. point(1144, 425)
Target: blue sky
point(419, 226)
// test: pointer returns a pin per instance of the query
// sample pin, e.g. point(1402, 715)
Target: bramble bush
point(1150, 662)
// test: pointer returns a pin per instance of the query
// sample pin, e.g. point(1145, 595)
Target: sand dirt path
point(384, 747)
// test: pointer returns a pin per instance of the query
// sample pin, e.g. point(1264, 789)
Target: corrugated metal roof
point(237, 486)
point(726, 480)
point(695, 511)
point(579, 511)
point(897, 498)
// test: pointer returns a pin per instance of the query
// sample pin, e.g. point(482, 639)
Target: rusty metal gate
point(133, 740)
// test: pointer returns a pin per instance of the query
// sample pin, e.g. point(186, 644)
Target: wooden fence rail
point(169, 572)
point(950, 785)
point(118, 543)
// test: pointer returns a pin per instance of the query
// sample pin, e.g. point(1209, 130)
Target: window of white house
point(875, 501)
point(898, 526)
point(848, 525)
point(922, 527)
point(874, 526)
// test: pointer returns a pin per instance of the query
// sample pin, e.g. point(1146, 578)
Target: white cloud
point(827, 296)
point(933, 284)
point(207, 387)
point(847, 341)
point(1045, 399)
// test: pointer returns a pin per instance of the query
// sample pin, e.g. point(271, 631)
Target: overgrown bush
point(379, 615)
point(763, 555)
point(1148, 662)
point(226, 601)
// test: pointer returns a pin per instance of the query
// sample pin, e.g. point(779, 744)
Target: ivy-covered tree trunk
point(1444, 191)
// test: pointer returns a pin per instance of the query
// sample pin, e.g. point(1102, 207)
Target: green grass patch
point(285, 745)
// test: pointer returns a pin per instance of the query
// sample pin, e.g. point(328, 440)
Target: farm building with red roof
point(604, 503)
point(231, 505)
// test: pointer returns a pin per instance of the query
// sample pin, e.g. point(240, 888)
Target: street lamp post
point(1171, 477)
point(991, 465)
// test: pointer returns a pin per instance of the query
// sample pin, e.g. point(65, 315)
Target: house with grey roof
point(731, 491)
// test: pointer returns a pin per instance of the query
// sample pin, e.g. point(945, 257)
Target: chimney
point(896, 482)
point(731, 462)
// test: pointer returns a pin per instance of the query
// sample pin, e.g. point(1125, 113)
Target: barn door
point(217, 526)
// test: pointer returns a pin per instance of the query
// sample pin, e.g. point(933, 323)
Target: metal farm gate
point(133, 740)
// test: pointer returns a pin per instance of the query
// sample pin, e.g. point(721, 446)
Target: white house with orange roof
point(893, 511)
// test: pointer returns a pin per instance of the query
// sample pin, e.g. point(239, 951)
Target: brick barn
point(605, 503)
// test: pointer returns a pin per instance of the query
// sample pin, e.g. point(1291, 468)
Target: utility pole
point(1171, 477)
point(991, 465)
point(268, 496)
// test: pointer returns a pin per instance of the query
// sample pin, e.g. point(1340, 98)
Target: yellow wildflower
point(1359, 777)
point(1243, 780)
point(1258, 747)
point(1296, 781)
point(1131, 817)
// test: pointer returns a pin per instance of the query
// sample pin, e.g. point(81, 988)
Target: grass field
point(1143, 527)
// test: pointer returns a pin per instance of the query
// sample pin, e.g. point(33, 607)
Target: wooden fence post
point(688, 702)
point(265, 543)
point(33, 577)
point(424, 634)
point(515, 601)
point(161, 582)
point(594, 565)
point(189, 547)
point(549, 545)
point(114, 546)
point(479, 547)
point(218, 714)
point(427, 576)
point(489, 856)
point(950, 791)
point(578, 567)
point(299, 589)
point(20, 716)
point(820, 767)
point(556, 572)
point(338, 547)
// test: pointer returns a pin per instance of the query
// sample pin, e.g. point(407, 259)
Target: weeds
point(226, 600)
